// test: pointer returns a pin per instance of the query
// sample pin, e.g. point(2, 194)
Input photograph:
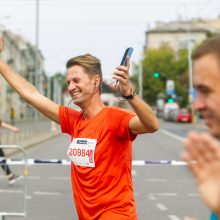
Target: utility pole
point(36, 44)
point(140, 80)
point(140, 74)
point(191, 89)
point(190, 69)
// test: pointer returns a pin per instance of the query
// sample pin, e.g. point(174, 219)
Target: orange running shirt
point(105, 191)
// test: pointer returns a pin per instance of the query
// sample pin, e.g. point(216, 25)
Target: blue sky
point(103, 28)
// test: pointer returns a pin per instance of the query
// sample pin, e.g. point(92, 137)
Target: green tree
point(170, 65)
point(61, 79)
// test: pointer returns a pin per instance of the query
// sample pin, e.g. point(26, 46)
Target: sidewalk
point(31, 132)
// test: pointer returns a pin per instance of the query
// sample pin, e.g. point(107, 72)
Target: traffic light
point(170, 100)
point(156, 75)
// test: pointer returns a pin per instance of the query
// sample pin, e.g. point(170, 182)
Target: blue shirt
point(213, 216)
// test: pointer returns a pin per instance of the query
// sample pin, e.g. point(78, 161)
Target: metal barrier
point(25, 173)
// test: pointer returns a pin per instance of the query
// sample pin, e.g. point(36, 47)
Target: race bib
point(82, 151)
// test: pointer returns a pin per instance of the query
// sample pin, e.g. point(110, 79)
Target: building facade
point(27, 61)
point(178, 33)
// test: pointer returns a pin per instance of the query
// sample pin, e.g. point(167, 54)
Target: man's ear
point(96, 80)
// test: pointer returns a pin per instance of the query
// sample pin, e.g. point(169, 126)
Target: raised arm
point(145, 121)
point(28, 92)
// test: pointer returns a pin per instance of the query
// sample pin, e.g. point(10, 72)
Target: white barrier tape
point(66, 162)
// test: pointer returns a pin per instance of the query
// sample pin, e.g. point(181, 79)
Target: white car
point(168, 108)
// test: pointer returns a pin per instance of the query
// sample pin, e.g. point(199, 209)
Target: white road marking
point(167, 194)
point(34, 177)
point(174, 136)
point(10, 191)
point(46, 193)
point(155, 180)
point(29, 177)
point(151, 196)
point(193, 194)
point(161, 207)
point(59, 178)
point(173, 217)
point(186, 180)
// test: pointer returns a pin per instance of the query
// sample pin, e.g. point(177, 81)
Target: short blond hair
point(209, 46)
point(91, 64)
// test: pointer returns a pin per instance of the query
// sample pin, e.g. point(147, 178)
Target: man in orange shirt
point(101, 136)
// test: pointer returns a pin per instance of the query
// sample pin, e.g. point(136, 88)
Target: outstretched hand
point(204, 150)
point(16, 130)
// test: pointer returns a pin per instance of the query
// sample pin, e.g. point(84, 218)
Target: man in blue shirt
point(205, 148)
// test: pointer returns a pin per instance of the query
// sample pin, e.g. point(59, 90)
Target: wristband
point(131, 96)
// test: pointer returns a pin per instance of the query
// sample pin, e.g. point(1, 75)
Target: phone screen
point(127, 53)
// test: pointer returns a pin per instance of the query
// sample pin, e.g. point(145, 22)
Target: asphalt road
point(162, 191)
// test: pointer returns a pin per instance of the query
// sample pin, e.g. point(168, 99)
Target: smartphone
point(127, 53)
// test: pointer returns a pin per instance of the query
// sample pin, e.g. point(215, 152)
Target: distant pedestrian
point(12, 116)
point(12, 178)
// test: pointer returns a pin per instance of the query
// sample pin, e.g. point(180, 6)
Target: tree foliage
point(61, 79)
point(170, 65)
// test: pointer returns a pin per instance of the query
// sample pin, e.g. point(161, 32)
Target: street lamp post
point(36, 66)
point(36, 43)
point(191, 89)
point(190, 69)
point(140, 80)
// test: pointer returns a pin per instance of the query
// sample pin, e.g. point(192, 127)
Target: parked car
point(182, 115)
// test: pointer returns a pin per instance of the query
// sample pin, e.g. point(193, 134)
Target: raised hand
point(204, 150)
point(122, 75)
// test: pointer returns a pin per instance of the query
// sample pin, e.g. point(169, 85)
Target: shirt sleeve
point(64, 122)
point(68, 119)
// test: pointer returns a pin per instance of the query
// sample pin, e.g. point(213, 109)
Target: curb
point(30, 143)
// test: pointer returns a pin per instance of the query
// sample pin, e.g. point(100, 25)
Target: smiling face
point(207, 83)
point(81, 86)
